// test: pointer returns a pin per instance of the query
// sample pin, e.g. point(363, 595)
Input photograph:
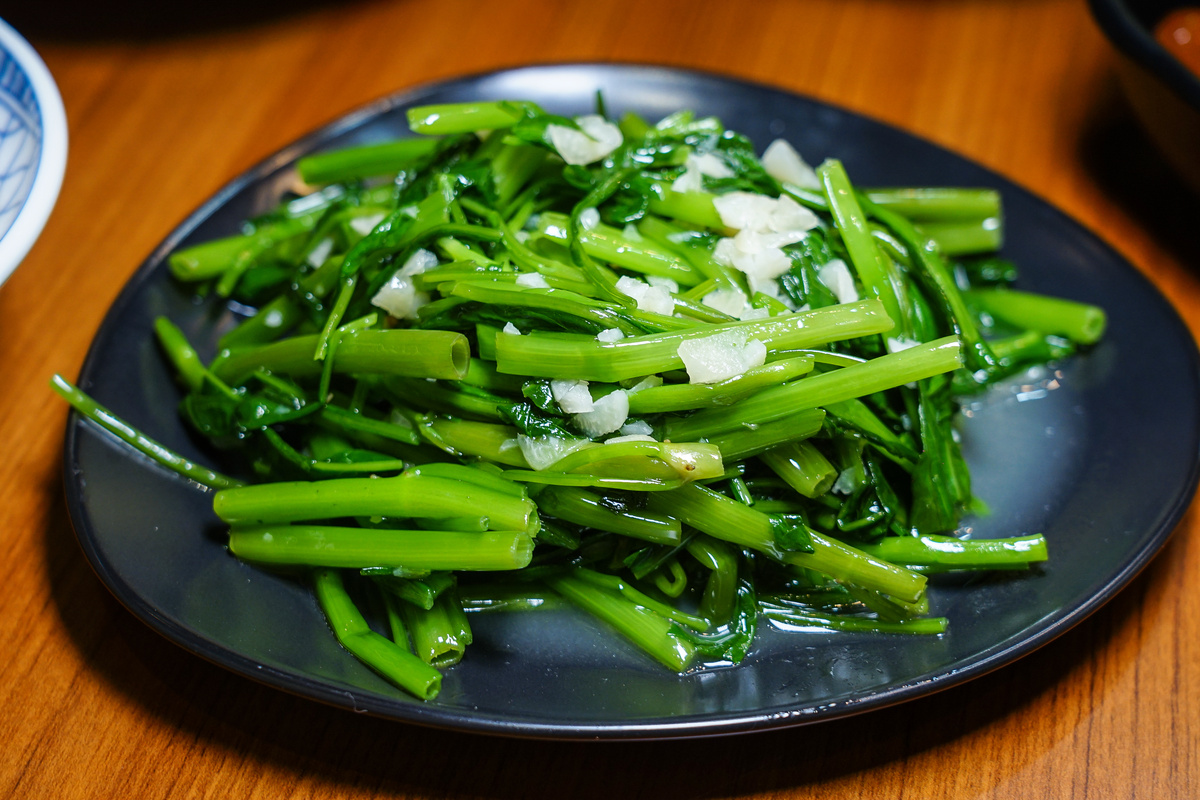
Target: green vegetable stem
point(523, 361)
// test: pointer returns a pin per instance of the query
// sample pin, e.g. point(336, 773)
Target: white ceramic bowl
point(33, 147)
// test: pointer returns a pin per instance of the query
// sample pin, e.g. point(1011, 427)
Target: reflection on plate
point(1101, 455)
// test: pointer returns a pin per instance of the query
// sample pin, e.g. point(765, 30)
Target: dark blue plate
point(1101, 455)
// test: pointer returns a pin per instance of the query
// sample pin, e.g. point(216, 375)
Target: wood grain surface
point(165, 108)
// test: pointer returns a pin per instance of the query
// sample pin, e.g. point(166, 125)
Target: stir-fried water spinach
point(520, 361)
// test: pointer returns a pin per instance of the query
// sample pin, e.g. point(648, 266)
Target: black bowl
point(1164, 93)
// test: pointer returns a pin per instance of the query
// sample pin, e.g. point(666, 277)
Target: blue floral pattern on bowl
point(20, 139)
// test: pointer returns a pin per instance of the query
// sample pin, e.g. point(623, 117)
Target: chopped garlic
point(897, 343)
point(398, 296)
point(744, 209)
point(771, 288)
point(754, 313)
point(364, 225)
point(589, 218)
point(632, 437)
point(657, 300)
point(572, 397)
point(724, 251)
point(690, 181)
point(762, 214)
point(543, 451)
point(845, 482)
point(631, 287)
point(532, 280)
point(511, 330)
point(649, 298)
point(639, 427)
point(710, 165)
point(792, 219)
point(709, 359)
point(695, 168)
point(752, 254)
point(765, 226)
point(649, 382)
point(418, 262)
point(836, 276)
point(396, 418)
point(731, 301)
point(784, 164)
point(756, 255)
point(608, 414)
point(662, 283)
point(596, 138)
point(321, 252)
point(610, 335)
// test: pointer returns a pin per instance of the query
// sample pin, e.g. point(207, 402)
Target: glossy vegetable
point(630, 367)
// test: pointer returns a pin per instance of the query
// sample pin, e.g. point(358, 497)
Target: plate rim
point(993, 658)
point(52, 160)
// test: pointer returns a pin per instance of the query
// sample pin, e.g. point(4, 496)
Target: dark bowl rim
point(1134, 40)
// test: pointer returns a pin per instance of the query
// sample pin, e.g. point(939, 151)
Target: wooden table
point(97, 705)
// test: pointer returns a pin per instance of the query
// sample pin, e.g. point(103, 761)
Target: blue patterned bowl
point(33, 147)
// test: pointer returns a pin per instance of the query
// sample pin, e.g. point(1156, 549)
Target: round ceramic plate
point(33, 147)
point(1100, 454)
